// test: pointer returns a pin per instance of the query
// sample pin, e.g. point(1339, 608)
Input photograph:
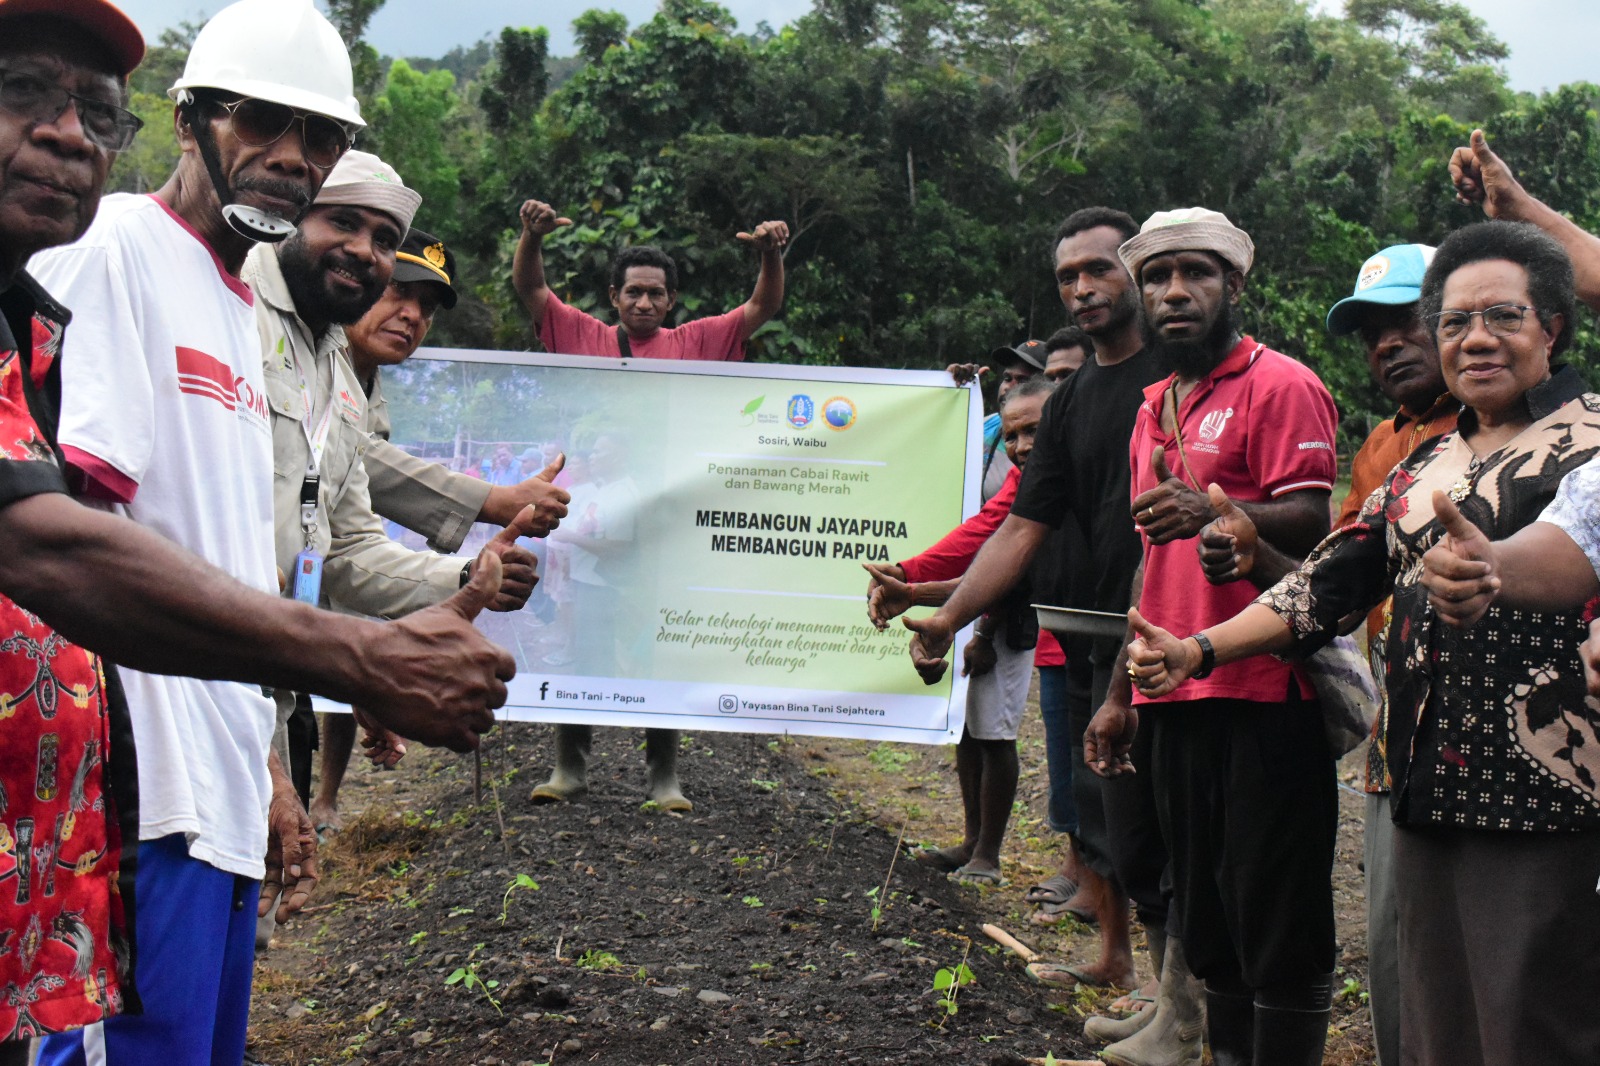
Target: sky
point(1551, 41)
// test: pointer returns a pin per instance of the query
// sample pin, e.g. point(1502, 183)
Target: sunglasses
point(37, 99)
point(258, 123)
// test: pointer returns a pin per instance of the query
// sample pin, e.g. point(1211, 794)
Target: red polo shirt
point(1259, 425)
point(567, 330)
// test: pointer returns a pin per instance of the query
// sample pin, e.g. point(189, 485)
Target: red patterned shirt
point(67, 776)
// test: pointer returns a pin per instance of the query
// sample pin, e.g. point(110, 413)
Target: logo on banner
point(839, 412)
point(1213, 425)
point(728, 704)
point(802, 411)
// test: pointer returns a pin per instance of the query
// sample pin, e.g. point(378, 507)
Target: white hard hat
point(283, 51)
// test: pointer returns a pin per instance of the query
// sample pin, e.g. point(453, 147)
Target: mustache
point(276, 188)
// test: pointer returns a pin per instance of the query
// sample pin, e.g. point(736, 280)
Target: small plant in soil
point(467, 977)
point(520, 882)
point(597, 960)
point(753, 901)
point(948, 981)
point(888, 759)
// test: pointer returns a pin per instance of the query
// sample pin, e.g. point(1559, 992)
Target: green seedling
point(949, 981)
point(522, 881)
point(758, 966)
point(459, 912)
point(418, 937)
point(595, 959)
point(888, 759)
point(467, 977)
point(741, 860)
point(1352, 990)
point(752, 901)
point(765, 786)
point(650, 807)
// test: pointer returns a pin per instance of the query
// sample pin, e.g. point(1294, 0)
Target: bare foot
point(947, 860)
point(325, 816)
point(1113, 973)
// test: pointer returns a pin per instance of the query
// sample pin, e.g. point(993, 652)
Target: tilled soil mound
point(756, 929)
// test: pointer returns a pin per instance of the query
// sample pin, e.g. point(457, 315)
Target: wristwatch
point(1208, 656)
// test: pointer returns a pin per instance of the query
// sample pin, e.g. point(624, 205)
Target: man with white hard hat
point(164, 417)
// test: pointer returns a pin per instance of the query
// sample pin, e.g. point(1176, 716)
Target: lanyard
point(316, 443)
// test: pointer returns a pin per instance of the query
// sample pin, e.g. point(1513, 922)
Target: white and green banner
point(708, 576)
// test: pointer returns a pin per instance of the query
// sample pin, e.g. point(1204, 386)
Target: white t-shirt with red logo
point(163, 415)
point(1260, 425)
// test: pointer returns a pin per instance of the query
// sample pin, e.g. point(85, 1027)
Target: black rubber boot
point(1290, 1037)
point(1292, 1023)
point(1230, 1028)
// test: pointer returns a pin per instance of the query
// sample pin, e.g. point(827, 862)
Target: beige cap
point(361, 179)
point(1188, 229)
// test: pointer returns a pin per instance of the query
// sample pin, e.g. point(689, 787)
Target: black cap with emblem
point(423, 257)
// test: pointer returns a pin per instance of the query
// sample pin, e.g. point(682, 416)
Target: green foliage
point(467, 977)
point(923, 152)
point(521, 882)
point(948, 982)
point(595, 959)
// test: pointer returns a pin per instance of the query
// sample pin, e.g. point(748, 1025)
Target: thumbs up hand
point(1459, 572)
point(1228, 544)
point(1171, 510)
point(1481, 177)
point(1158, 662)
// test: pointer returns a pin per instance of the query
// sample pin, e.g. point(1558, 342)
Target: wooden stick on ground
point(1010, 943)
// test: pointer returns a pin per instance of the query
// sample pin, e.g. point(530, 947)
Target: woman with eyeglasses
point(1493, 747)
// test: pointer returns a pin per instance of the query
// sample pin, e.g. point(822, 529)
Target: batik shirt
point(1490, 727)
point(66, 746)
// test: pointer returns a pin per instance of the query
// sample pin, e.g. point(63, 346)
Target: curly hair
point(643, 255)
point(1550, 279)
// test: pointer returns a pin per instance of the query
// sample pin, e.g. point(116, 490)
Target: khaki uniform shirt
point(364, 570)
point(421, 495)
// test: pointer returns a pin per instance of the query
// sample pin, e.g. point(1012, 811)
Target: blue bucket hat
point(1390, 278)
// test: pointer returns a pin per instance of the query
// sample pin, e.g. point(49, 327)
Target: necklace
point(1466, 482)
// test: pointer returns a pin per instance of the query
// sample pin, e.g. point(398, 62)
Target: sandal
point(966, 875)
point(1057, 889)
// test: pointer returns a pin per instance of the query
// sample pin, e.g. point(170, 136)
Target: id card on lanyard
point(307, 583)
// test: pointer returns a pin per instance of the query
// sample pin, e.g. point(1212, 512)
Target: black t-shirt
point(1078, 474)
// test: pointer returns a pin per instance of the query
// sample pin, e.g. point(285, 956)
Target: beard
point(1194, 359)
point(314, 300)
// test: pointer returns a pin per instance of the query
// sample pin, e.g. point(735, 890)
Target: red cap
point(102, 19)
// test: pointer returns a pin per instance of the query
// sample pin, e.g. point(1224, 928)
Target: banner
point(708, 575)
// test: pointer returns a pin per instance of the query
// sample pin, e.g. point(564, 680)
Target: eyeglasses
point(1502, 320)
point(37, 99)
point(258, 123)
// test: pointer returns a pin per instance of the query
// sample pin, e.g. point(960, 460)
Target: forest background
point(923, 153)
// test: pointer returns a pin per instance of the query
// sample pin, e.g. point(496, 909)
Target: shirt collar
point(1442, 406)
point(21, 301)
point(265, 276)
point(1239, 359)
point(1561, 387)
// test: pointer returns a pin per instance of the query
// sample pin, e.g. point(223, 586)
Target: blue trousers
point(1058, 748)
point(195, 927)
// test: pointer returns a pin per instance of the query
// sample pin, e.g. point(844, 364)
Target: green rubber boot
point(661, 763)
point(571, 775)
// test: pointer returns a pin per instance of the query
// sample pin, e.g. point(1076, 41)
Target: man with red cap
point(122, 587)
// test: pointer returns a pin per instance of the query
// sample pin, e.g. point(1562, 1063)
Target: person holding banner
point(1077, 482)
point(644, 289)
point(999, 658)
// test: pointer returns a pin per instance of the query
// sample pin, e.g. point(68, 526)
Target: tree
point(596, 31)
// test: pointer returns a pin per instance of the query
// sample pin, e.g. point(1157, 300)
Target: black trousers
point(1246, 796)
point(1119, 833)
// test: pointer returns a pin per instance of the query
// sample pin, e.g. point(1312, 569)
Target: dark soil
point(756, 929)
